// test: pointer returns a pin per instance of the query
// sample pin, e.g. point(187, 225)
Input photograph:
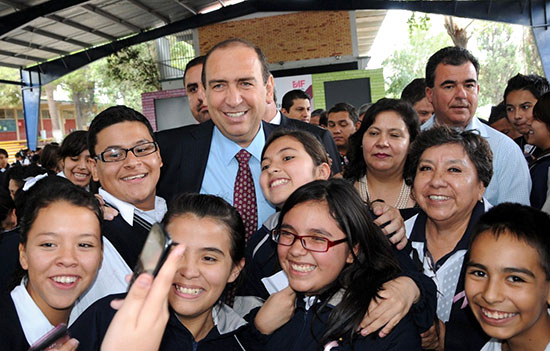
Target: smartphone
point(155, 250)
point(52, 339)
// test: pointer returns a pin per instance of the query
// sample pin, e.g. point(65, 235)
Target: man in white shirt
point(452, 88)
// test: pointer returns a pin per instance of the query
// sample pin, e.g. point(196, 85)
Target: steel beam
point(19, 18)
point(55, 69)
point(34, 46)
point(96, 10)
point(56, 36)
point(149, 10)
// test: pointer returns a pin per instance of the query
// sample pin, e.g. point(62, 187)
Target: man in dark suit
point(201, 158)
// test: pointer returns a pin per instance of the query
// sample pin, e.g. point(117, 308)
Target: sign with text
point(285, 84)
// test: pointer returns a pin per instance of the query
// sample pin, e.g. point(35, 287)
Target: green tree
point(498, 60)
point(10, 94)
point(80, 84)
point(409, 62)
point(124, 76)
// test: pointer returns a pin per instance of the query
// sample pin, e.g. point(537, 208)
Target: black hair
point(525, 223)
point(199, 60)
point(114, 115)
point(345, 107)
point(54, 189)
point(317, 112)
point(475, 146)
point(288, 99)
point(238, 42)
point(213, 207)
point(357, 167)
point(532, 83)
point(363, 109)
point(6, 206)
point(4, 152)
point(414, 91)
point(451, 55)
point(498, 112)
point(373, 264)
point(323, 119)
point(311, 144)
point(74, 144)
point(49, 157)
point(541, 111)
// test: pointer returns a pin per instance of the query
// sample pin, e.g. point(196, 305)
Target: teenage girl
point(60, 252)
point(213, 236)
point(336, 260)
point(290, 159)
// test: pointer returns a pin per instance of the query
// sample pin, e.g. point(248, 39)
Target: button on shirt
point(222, 167)
point(511, 181)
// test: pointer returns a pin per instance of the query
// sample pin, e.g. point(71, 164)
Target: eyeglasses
point(309, 242)
point(115, 154)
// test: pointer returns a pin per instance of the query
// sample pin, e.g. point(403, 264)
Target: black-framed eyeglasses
point(309, 242)
point(115, 154)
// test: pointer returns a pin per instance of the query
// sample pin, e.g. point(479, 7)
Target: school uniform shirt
point(22, 322)
point(230, 332)
point(462, 330)
point(129, 229)
point(9, 257)
point(308, 324)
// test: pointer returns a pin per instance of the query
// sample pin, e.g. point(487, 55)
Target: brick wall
point(148, 103)
point(377, 89)
point(288, 37)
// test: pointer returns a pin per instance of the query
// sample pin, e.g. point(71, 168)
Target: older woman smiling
point(450, 170)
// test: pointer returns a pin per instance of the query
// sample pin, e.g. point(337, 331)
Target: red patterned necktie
point(244, 194)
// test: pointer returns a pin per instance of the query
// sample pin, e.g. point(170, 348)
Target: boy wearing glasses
point(125, 159)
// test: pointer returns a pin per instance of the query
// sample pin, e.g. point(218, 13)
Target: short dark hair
point(238, 42)
point(474, 145)
point(541, 111)
point(4, 152)
point(317, 112)
point(49, 157)
point(311, 144)
point(114, 115)
point(288, 99)
point(451, 55)
point(74, 144)
point(533, 83)
point(525, 223)
point(357, 166)
point(214, 207)
point(414, 91)
point(498, 112)
point(345, 107)
point(199, 60)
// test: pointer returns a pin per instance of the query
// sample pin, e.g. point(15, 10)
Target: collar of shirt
point(31, 318)
point(126, 209)
point(226, 149)
point(277, 119)
point(475, 124)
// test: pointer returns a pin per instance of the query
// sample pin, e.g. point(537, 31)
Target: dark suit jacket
point(185, 150)
point(321, 134)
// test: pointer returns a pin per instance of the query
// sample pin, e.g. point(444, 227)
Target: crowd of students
point(404, 253)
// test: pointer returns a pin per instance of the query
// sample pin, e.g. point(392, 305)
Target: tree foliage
point(409, 62)
point(10, 94)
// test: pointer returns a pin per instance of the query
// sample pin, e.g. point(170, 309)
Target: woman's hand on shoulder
point(277, 310)
point(394, 225)
point(142, 316)
point(396, 298)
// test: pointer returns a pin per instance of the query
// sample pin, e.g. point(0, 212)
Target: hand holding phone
point(155, 250)
point(53, 339)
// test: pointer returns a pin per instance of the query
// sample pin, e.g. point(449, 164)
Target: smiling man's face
point(455, 94)
point(236, 93)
